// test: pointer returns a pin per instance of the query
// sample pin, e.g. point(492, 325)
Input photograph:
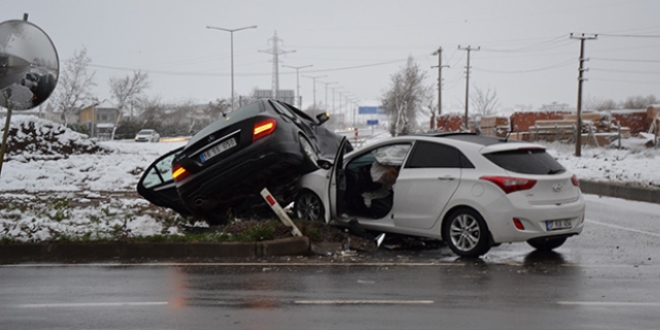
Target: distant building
point(100, 120)
point(284, 95)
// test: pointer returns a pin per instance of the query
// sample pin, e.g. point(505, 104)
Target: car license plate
point(558, 225)
point(220, 148)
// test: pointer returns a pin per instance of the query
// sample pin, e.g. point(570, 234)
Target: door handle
point(446, 178)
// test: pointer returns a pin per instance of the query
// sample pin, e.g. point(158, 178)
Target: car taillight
point(518, 224)
point(575, 181)
point(263, 128)
point(509, 184)
point(179, 173)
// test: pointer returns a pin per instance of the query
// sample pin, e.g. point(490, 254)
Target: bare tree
point(639, 102)
point(406, 97)
point(127, 92)
point(74, 87)
point(218, 108)
point(484, 103)
point(599, 103)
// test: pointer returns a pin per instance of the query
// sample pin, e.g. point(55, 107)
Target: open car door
point(157, 184)
point(337, 185)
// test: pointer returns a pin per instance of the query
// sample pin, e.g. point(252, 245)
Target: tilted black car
point(223, 168)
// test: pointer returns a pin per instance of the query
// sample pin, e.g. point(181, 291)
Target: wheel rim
point(309, 151)
point(309, 207)
point(465, 232)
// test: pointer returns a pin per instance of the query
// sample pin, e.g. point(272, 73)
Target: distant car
point(147, 135)
point(224, 167)
point(471, 191)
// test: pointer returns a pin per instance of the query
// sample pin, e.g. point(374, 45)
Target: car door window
point(435, 155)
point(160, 173)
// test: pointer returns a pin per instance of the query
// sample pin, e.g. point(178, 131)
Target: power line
point(629, 35)
point(624, 60)
point(554, 66)
point(207, 74)
point(626, 71)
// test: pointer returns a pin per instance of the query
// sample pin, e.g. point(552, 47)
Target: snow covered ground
point(46, 193)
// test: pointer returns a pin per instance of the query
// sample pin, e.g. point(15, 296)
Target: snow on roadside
point(93, 193)
point(636, 165)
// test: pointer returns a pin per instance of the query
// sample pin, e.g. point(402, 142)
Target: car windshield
point(535, 161)
point(145, 132)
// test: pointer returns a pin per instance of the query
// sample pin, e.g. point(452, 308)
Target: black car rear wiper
point(556, 171)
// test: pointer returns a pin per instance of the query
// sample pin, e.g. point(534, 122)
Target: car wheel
point(546, 243)
point(310, 159)
point(309, 207)
point(466, 233)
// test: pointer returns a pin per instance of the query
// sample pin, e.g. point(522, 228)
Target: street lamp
point(333, 98)
point(314, 88)
point(326, 92)
point(297, 81)
point(231, 32)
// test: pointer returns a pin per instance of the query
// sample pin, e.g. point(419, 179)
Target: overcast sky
point(526, 54)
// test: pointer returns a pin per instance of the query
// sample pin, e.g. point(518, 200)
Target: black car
point(224, 167)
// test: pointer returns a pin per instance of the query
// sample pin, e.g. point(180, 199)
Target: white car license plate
point(220, 148)
point(558, 225)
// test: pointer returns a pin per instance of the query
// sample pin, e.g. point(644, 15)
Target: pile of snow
point(31, 138)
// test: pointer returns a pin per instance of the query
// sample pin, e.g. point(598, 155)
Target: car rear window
point(535, 161)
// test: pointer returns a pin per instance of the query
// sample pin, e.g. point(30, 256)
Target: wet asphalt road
point(607, 278)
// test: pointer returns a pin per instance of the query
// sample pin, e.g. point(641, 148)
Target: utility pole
point(467, 80)
point(297, 81)
point(276, 52)
point(440, 66)
point(581, 70)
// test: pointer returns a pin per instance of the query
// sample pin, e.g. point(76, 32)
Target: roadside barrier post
point(280, 212)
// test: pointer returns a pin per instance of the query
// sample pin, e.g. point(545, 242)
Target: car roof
point(484, 144)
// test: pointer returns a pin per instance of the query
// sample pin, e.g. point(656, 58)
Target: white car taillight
point(509, 184)
point(575, 181)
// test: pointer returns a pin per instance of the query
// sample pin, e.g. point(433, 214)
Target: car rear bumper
point(533, 218)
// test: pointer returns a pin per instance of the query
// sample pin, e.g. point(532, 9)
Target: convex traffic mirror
point(29, 66)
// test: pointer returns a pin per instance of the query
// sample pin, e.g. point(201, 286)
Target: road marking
point(610, 303)
point(106, 304)
point(363, 302)
point(238, 264)
point(624, 228)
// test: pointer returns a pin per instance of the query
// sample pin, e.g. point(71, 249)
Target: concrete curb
point(641, 194)
point(80, 252)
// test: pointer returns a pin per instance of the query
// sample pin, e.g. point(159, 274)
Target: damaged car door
point(157, 184)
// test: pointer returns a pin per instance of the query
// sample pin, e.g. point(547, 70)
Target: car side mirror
point(29, 66)
point(322, 117)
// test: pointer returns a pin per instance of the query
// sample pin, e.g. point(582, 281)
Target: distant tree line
point(631, 102)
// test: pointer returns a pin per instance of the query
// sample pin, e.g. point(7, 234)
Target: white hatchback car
point(471, 191)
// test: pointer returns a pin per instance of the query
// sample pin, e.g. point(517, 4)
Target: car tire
point(310, 158)
point(466, 233)
point(308, 206)
point(546, 243)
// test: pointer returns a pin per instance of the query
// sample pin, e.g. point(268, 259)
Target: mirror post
point(5, 133)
